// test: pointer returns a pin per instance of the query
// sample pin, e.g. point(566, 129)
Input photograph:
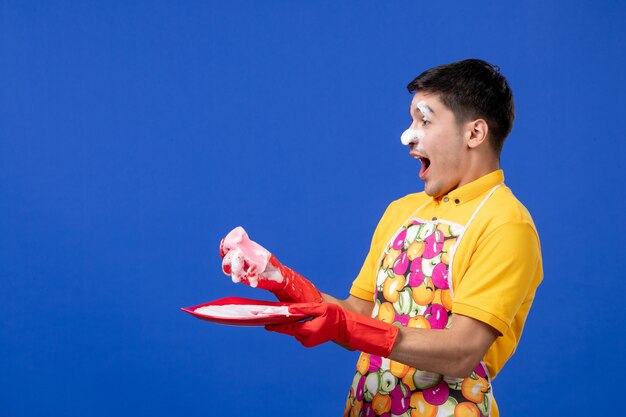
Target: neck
point(478, 166)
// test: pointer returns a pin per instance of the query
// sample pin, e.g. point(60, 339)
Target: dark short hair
point(472, 89)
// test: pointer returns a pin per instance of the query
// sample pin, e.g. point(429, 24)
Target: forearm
point(426, 349)
point(327, 298)
point(431, 350)
point(454, 352)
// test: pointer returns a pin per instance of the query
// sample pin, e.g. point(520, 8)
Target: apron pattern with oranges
point(414, 289)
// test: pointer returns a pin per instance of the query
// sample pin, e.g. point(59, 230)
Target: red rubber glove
point(248, 262)
point(331, 322)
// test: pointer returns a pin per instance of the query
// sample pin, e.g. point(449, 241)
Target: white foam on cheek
point(410, 135)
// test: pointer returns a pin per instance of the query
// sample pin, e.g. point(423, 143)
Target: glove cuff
point(370, 335)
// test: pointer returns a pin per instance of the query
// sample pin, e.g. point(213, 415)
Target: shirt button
point(446, 199)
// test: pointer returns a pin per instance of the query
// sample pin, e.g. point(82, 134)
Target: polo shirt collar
point(475, 188)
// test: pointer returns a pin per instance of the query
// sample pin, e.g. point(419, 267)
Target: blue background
point(134, 135)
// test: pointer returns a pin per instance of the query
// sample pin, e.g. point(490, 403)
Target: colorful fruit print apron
point(414, 289)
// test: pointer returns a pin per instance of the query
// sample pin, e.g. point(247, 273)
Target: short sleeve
point(504, 272)
point(364, 286)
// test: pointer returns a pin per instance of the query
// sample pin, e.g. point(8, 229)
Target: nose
point(411, 136)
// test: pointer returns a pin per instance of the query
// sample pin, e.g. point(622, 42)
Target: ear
point(478, 131)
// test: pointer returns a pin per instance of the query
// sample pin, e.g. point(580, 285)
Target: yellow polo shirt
point(496, 267)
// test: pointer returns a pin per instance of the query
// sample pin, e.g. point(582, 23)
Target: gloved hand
point(248, 262)
point(331, 322)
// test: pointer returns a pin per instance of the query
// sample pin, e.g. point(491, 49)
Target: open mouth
point(425, 165)
point(417, 153)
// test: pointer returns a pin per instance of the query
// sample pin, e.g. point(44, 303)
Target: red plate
point(260, 320)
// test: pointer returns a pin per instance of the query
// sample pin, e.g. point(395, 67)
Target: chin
point(431, 191)
point(435, 190)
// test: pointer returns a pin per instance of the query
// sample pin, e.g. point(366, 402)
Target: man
point(442, 297)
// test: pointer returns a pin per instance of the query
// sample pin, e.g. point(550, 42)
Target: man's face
point(437, 140)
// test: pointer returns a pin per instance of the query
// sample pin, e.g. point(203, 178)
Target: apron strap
point(458, 242)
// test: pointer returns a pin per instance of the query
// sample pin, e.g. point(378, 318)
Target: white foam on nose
point(411, 136)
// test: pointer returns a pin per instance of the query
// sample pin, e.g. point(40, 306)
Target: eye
point(425, 121)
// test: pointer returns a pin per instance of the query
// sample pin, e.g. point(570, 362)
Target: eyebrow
point(422, 103)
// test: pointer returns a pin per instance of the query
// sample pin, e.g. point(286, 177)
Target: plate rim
point(244, 321)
